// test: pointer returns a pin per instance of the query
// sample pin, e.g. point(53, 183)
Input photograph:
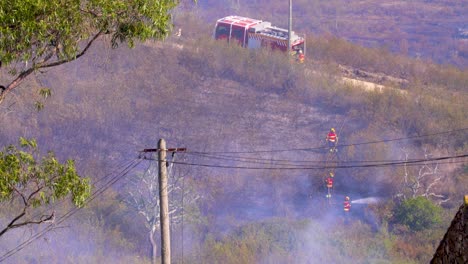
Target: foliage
point(40, 34)
point(306, 241)
point(37, 183)
point(255, 242)
point(417, 213)
point(418, 246)
point(33, 29)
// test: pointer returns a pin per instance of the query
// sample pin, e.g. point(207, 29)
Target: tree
point(37, 34)
point(144, 198)
point(418, 213)
point(422, 182)
point(37, 183)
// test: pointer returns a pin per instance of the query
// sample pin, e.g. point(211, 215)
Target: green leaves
point(32, 30)
point(25, 143)
point(41, 182)
point(45, 92)
point(35, 183)
point(36, 34)
point(418, 213)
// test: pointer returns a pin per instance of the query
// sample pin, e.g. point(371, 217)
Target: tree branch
point(35, 192)
point(43, 65)
point(76, 57)
point(25, 201)
point(44, 219)
point(12, 223)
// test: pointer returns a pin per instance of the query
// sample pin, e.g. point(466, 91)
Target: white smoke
point(369, 200)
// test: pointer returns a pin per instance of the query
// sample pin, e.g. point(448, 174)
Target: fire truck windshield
point(222, 31)
point(237, 34)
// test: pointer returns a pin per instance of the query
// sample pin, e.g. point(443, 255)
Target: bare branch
point(12, 223)
point(43, 219)
point(44, 64)
point(422, 184)
point(25, 201)
point(429, 187)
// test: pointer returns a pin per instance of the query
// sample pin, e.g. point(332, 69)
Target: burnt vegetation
point(212, 97)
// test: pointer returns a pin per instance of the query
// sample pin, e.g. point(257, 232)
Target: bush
point(417, 213)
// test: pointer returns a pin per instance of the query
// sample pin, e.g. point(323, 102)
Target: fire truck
point(254, 33)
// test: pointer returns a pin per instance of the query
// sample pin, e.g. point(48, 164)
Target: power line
point(326, 147)
point(73, 211)
point(315, 168)
point(415, 162)
point(270, 161)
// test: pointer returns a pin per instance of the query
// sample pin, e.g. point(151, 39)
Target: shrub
point(417, 213)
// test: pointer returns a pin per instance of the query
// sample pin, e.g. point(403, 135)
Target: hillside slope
point(238, 112)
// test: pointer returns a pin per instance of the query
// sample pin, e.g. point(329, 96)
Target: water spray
point(369, 200)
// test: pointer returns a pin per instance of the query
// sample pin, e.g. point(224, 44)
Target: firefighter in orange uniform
point(329, 184)
point(346, 204)
point(300, 56)
point(332, 140)
point(329, 180)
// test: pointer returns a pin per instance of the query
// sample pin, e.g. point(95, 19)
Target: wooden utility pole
point(163, 197)
point(290, 28)
point(164, 204)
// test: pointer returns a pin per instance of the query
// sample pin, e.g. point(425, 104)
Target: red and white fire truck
point(254, 33)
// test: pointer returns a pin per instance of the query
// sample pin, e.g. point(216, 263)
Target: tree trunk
point(154, 247)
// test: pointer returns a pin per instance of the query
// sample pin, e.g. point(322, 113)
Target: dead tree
point(144, 198)
point(422, 181)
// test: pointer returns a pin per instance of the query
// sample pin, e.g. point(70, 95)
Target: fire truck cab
point(254, 33)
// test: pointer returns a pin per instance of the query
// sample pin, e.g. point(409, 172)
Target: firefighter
point(332, 140)
point(346, 204)
point(300, 56)
point(329, 184)
point(329, 180)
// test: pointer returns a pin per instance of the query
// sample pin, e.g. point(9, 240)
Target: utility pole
point(163, 198)
point(164, 201)
point(290, 28)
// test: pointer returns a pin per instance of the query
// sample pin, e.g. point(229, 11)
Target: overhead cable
point(413, 162)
